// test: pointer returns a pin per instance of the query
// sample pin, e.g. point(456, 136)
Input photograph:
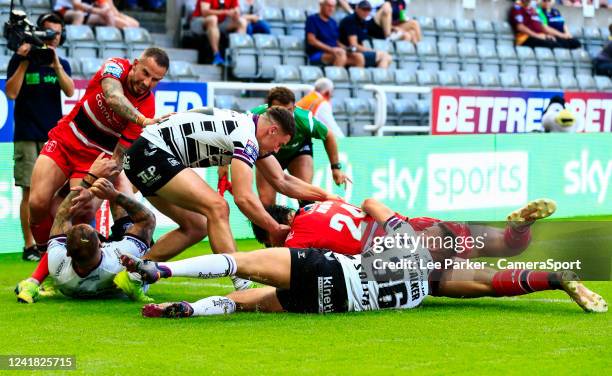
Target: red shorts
point(68, 152)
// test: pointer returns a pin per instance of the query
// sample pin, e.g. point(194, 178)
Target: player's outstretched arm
point(331, 148)
point(377, 210)
point(116, 99)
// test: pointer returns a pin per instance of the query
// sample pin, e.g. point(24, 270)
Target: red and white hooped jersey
point(337, 226)
point(94, 123)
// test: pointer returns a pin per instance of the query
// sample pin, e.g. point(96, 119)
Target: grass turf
point(542, 333)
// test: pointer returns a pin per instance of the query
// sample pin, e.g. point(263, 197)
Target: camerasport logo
point(476, 180)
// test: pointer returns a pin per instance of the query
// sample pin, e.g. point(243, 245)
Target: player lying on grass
point(317, 280)
point(336, 225)
point(80, 264)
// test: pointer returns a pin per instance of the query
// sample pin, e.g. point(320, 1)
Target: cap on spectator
point(365, 5)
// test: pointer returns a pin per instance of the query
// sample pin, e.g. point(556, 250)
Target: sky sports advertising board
point(473, 111)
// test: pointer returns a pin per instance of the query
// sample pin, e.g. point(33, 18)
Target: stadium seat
point(505, 42)
point(359, 77)
point(181, 71)
point(525, 56)
point(227, 102)
point(545, 60)
point(585, 82)
point(137, 40)
point(295, 21)
point(406, 77)
point(508, 80)
point(576, 31)
point(293, 50)
point(488, 79)
point(448, 79)
point(36, 7)
point(487, 56)
point(340, 78)
point(564, 62)
point(468, 55)
point(605, 32)
point(405, 111)
point(569, 83)
point(449, 56)
point(426, 78)
point(386, 46)
point(405, 55)
point(592, 37)
point(549, 81)
point(269, 53)
point(274, 17)
point(465, 30)
point(508, 59)
point(503, 31)
point(309, 74)
point(445, 28)
point(242, 56)
point(90, 65)
point(428, 27)
point(582, 61)
point(382, 76)
point(286, 74)
point(360, 114)
point(4, 60)
point(530, 81)
point(428, 56)
point(603, 83)
point(469, 78)
point(75, 68)
point(485, 32)
point(81, 41)
point(111, 42)
point(340, 115)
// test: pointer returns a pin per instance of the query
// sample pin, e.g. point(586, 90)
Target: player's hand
point(104, 167)
point(80, 202)
point(104, 190)
point(278, 236)
point(341, 178)
point(151, 121)
point(24, 49)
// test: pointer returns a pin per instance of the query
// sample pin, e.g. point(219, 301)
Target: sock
point(41, 230)
point(208, 266)
point(42, 269)
point(517, 237)
point(213, 305)
point(514, 282)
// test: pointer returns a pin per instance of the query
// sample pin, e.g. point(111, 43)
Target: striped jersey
point(209, 137)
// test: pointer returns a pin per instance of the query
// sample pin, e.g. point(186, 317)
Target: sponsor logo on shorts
point(50, 146)
point(126, 162)
point(173, 162)
point(148, 176)
point(326, 286)
point(113, 69)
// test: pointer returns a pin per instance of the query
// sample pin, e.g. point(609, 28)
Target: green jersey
point(306, 127)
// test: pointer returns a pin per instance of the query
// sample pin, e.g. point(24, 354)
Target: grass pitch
point(542, 333)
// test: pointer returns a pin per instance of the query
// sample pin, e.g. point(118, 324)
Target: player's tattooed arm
point(63, 218)
point(116, 99)
point(118, 154)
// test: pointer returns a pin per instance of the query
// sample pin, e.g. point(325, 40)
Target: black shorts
point(317, 283)
point(305, 149)
point(370, 58)
point(148, 167)
point(375, 31)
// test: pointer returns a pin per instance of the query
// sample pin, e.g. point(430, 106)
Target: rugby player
point(320, 281)
point(117, 103)
point(296, 155)
point(160, 165)
point(80, 264)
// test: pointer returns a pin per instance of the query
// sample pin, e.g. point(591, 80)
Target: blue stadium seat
point(270, 55)
point(382, 76)
point(603, 83)
point(405, 55)
point(274, 17)
point(487, 55)
point(545, 60)
point(469, 78)
point(292, 48)
point(485, 32)
point(449, 56)
point(406, 77)
point(360, 113)
point(242, 56)
point(111, 42)
point(427, 78)
point(359, 77)
point(81, 41)
point(549, 81)
point(508, 81)
point(568, 83)
point(90, 65)
point(295, 21)
point(227, 102)
point(582, 61)
point(448, 79)
point(181, 71)
point(428, 56)
point(286, 74)
point(309, 74)
point(564, 62)
point(468, 55)
point(530, 81)
point(585, 82)
point(489, 79)
point(445, 28)
point(36, 7)
point(137, 40)
point(340, 78)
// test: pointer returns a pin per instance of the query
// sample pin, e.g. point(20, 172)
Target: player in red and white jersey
point(117, 103)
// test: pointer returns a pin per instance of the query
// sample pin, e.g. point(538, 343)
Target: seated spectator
point(322, 45)
point(603, 62)
point(554, 24)
point(318, 102)
point(251, 10)
point(93, 12)
point(528, 28)
point(389, 21)
point(354, 30)
point(220, 17)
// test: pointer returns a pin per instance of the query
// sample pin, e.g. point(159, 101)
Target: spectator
point(220, 16)
point(36, 90)
point(528, 28)
point(578, 3)
point(603, 62)
point(252, 13)
point(322, 45)
point(390, 20)
point(554, 24)
point(354, 30)
point(93, 12)
point(318, 102)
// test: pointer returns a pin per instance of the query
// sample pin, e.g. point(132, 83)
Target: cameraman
point(36, 91)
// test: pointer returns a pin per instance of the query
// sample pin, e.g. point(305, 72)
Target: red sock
point(42, 269)
point(513, 282)
point(517, 238)
point(41, 230)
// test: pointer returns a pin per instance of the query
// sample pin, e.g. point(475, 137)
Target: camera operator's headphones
point(54, 18)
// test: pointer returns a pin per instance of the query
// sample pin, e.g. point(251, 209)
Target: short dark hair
point(280, 94)
point(52, 17)
point(282, 117)
point(82, 242)
point(159, 56)
point(280, 215)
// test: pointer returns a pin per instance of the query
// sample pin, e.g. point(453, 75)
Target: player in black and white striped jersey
point(159, 164)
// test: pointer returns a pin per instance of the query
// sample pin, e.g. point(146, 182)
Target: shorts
point(25, 155)
point(315, 58)
point(305, 149)
point(70, 155)
point(370, 58)
point(148, 167)
point(374, 30)
point(317, 283)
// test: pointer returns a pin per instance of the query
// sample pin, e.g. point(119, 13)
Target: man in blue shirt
point(322, 45)
point(354, 30)
point(554, 24)
point(36, 90)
